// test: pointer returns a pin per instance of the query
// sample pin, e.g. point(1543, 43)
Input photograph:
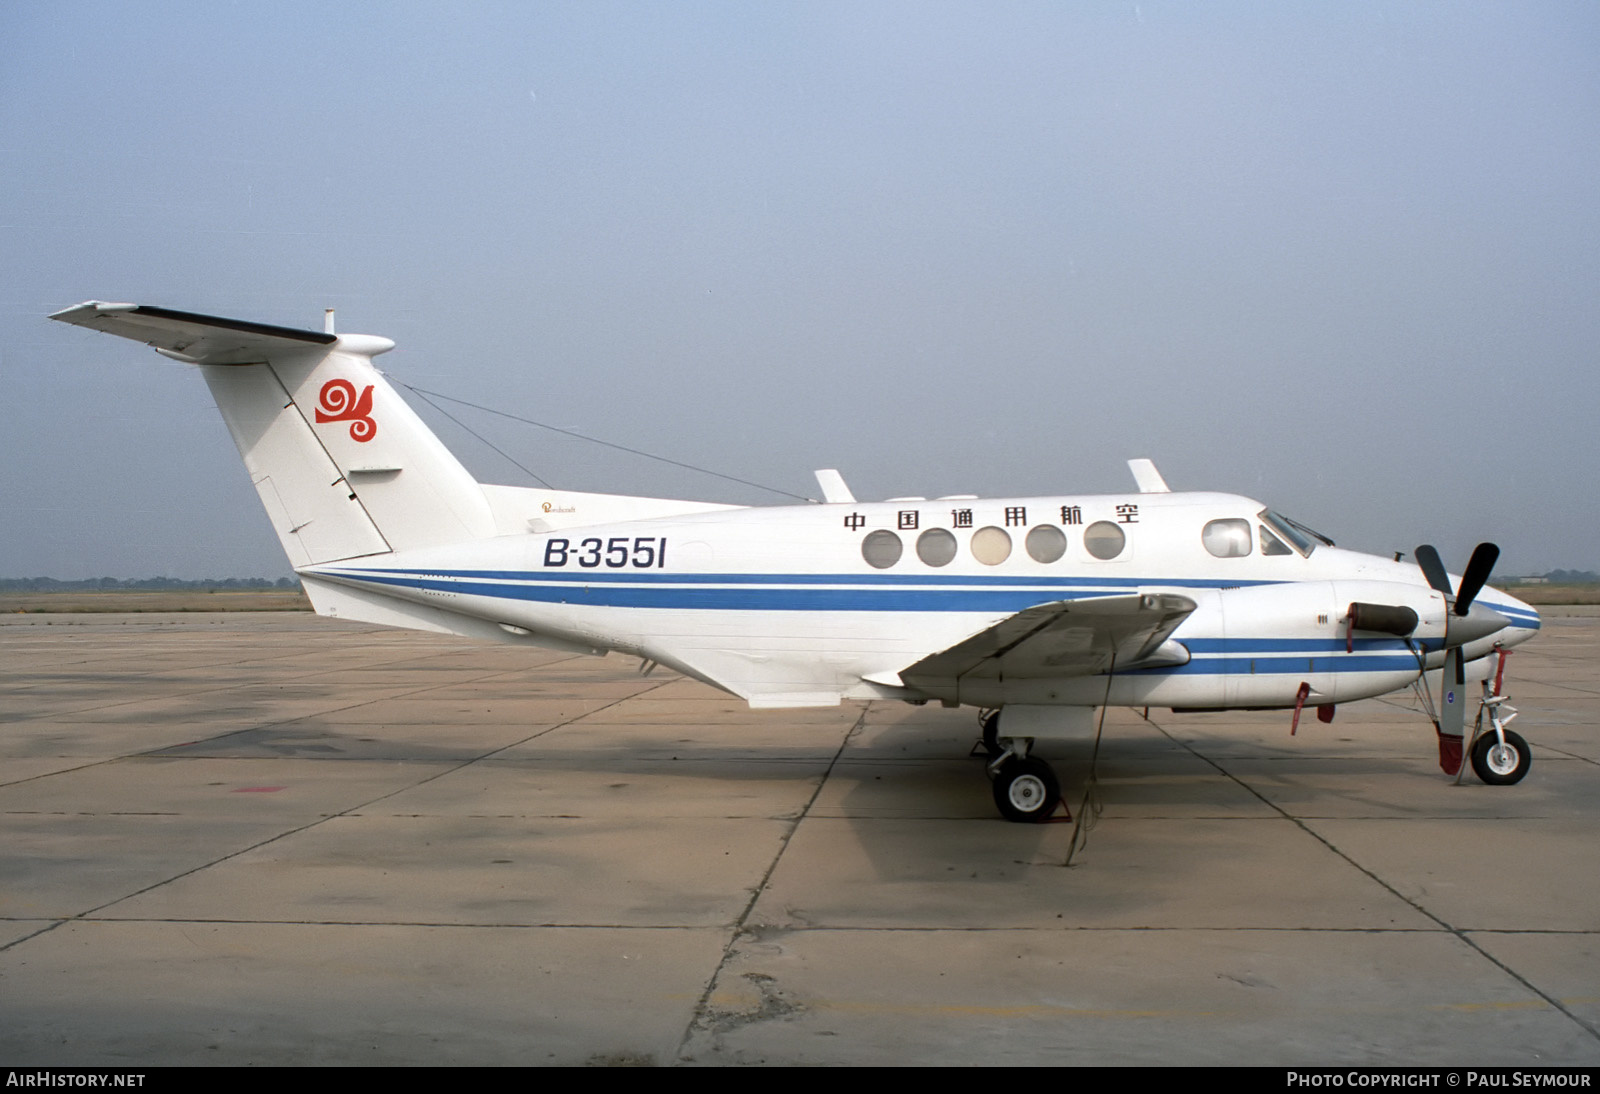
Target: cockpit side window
point(1271, 544)
point(1288, 532)
point(1227, 538)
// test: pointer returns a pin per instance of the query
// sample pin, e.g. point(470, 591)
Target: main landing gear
point(1025, 788)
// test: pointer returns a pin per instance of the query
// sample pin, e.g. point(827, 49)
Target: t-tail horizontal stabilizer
point(343, 466)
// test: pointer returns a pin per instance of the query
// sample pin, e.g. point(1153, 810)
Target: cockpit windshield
point(1303, 539)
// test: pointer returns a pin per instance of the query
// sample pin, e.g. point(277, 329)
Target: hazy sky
point(1342, 257)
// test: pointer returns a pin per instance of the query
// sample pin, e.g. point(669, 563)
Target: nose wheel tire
point(1026, 791)
point(1501, 764)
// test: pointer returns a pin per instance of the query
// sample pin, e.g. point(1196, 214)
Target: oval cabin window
point(991, 546)
point(1104, 540)
point(881, 549)
point(936, 547)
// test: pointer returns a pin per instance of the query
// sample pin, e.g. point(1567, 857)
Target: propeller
point(1465, 623)
point(1484, 556)
point(1428, 558)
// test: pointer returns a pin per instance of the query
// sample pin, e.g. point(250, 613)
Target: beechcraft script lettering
point(339, 403)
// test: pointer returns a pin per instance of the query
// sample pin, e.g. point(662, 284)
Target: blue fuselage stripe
point(1242, 663)
point(880, 593)
point(599, 576)
point(747, 598)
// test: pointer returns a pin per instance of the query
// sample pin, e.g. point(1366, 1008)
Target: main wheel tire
point(1026, 791)
point(1501, 765)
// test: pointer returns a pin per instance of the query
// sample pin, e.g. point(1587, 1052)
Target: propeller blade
point(1433, 569)
point(1452, 695)
point(1477, 572)
point(1452, 723)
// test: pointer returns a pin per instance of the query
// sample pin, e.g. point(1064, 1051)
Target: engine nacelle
point(1285, 634)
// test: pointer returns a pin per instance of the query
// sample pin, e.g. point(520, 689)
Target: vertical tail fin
point(343, 466)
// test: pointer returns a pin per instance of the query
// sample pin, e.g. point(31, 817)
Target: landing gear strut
point(1499, 756)
point(991, 733)
point(1025, 788)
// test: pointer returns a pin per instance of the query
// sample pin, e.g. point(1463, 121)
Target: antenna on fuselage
point(834, 490)
point(1147, 478)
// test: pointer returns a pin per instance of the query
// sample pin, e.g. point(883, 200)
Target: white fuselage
point(783, 607)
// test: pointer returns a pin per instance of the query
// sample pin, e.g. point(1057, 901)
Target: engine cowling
point(1285, 634)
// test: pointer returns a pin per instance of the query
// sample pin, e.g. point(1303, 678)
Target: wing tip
point(89, 309)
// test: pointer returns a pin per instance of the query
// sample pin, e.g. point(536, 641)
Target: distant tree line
point(145, 584)
point(1571, 577)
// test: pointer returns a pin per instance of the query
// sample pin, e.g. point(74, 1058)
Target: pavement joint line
point(697, 1019)
point(1461, 934)
point(1563, 686)
point(867, 929)
point(155, 752)
point(378, 666)
point(80, 916)
point(1569, 755)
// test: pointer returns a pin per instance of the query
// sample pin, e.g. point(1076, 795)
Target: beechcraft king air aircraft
point(1038, 610)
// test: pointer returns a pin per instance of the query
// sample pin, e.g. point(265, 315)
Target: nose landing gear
point(1499, 756)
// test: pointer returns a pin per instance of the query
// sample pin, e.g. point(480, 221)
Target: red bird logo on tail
point(340, 404)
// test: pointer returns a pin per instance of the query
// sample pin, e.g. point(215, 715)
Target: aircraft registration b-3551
point(1036, 610)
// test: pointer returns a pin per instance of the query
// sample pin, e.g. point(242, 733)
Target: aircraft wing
point(1063, 638)
point(199, 339)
